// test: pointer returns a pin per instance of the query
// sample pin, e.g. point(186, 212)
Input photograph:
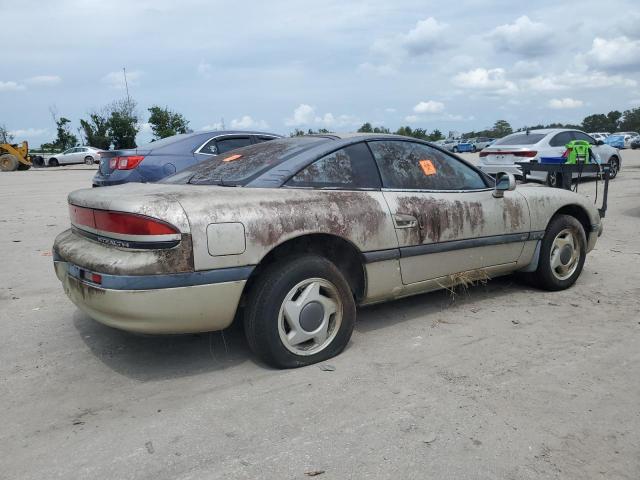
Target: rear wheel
point(299, 312)
point(53, 162)
point(455, 149)
point(614, 167)
point(88, 160)
point(8, 162)
point(553, 179)
point(562, 254)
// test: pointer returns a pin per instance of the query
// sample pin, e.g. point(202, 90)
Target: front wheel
point(562, 254)
point(455, 149)
point(88, 160)
point(299, 312)
point(53, 163)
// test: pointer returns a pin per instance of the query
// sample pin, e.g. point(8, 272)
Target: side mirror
point(599, 142)
point(504, 182)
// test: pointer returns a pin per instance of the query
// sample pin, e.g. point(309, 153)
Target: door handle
point(400, 220)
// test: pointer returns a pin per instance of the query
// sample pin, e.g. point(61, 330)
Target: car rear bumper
point(495, 168)
point(194, 307)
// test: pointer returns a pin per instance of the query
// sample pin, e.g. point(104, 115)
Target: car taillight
point(125, 163)
point(122, 225)
point(484, 154)
point(528, 153)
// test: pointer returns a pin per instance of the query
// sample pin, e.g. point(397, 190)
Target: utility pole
point(126, 85)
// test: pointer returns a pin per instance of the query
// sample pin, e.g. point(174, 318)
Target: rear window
point(521, 139)
point(242, 165)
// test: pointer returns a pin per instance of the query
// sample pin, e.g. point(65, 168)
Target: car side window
point(350, 168)
point(209, 148)
point(583, 136)
point(414, 166)
point(226, 144)
point(264, 139)
point(561, 139)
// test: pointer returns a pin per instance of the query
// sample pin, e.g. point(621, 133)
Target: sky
point(281, 65)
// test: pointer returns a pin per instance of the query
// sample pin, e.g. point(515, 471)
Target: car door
point(558, 144)
point(67, 156)
point(444, 212)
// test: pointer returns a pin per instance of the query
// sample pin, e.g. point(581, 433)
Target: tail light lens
point(125, 163)
point(122, 225)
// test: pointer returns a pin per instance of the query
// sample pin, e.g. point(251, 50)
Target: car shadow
point(162, 357)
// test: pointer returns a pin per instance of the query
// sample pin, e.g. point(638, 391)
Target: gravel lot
point(499, 382)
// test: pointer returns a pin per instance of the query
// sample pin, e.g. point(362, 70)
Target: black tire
point(53, 162)
point(474, 149)
point(8, 163)
point(455, 149)
point(552, 179)
point(23, 166)
point(266, 300)
point(88, 160)
point(545, 276)
point(614, 167)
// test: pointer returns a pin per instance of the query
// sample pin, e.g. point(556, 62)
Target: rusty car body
point(295, 233)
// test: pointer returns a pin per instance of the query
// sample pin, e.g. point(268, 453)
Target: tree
point(501, 128)
point(96, 131)
point(165, 123)
point(5, 136)
point(365, 128)
point(631, 120)
point(596, 123)
point(614, 120)
point(64, 139)
point(123, 124)
point(435, 135)
point(381, 130)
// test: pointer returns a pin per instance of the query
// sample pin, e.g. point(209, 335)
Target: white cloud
point(213, 126)
point(10, 86)
point(570, 80)
point(43, 80)
point(412, 118)
point(21, 133)
point(489, 80)
point(427, 36)
point(430, 106)
point(116, 79)
point(523, 37)
point(305, 115)
point(620, 53)
point(564, 103)
point(246, 122)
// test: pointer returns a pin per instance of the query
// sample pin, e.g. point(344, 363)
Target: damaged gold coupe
point(290, 236)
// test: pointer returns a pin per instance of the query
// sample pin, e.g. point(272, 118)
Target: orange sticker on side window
point(232, 158)
point(428, 168)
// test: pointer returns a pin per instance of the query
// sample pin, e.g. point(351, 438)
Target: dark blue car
point(159, 159)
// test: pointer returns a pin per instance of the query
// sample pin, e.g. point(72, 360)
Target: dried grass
point(458, 283)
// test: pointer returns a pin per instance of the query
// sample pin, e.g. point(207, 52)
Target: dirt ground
point(499, 382)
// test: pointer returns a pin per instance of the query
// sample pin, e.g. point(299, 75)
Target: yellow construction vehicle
point(14, 157)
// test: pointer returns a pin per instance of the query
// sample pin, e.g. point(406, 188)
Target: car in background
point(159, 159)
point(602, 136)
point(82, 154)
point(464, 146)
point(532, 145)
point(481, 142)
point(449, 144)
point(635, 143)
point(616, 141)
point(628, 137)
point(292, 234)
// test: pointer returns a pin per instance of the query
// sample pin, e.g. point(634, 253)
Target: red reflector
point(96, 278)
point(131, 224)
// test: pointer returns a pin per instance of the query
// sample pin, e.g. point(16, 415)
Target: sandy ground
point(500, 382)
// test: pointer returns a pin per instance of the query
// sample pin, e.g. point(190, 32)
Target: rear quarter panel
point(273, 216)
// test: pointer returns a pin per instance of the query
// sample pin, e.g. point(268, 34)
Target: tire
point(474, 149)
point(8, 163)
point(53, 162)
point(23, 166)
point(455, 149)
point(552, 179)
point(562, 254)
point(88, 160)
point(305, 286)
point(614, 163)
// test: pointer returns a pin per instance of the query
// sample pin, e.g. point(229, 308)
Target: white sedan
point(533, 145)
point(82, 154)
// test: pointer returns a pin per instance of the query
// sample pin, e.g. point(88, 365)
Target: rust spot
point(512, 214)
point(355, 216)
point(440, 219)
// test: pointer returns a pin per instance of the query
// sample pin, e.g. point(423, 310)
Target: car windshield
point(521, 139)
point(615, 137)
point(239, 166)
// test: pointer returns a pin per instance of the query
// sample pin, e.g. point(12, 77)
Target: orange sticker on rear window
point(232, 158)
point(428, 168)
